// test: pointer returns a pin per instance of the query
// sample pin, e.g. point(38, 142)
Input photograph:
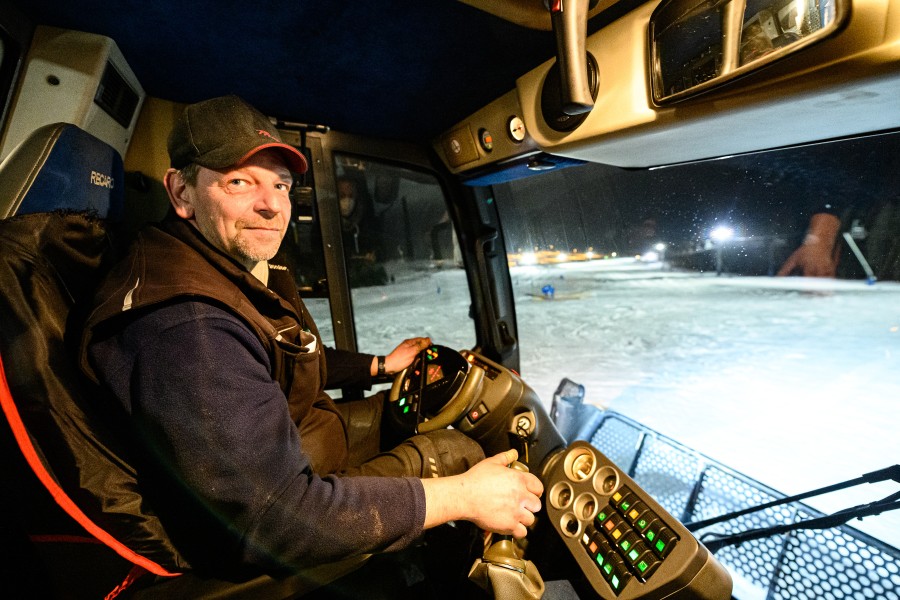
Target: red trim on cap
point(59, 495)
point(301, 162)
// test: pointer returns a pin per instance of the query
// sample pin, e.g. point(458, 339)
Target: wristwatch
point(380, 366)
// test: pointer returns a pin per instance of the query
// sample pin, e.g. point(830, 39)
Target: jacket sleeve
point(347, 369)
point(224, 462)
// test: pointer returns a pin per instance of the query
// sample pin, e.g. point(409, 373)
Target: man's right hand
point(490, 494)
point(817, 256)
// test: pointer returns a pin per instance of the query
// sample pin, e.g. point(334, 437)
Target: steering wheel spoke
point(434, 392)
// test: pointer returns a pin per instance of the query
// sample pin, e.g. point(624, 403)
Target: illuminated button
point(401, 402)
point(623, 499)
point(486, 139)
point(601, 516)
point(626, 504)
point(515, 127)
point(477, 413)
point(652, 531)
point(638, 549)
point(614, 527)
point(607, 569)
point(619, 575)
point(644, 564)
point(406, 409)
point(628, 541)
point(644, 521)
point(664, 542)
point(620, 494)
point(637, 509)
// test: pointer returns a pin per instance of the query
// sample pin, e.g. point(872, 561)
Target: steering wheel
point(434, 391)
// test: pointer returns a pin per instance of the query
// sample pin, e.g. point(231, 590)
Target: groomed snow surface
point(794, 382)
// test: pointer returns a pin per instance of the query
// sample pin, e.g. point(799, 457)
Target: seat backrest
point(66, 469)
point(68, 482)
point(60, 166)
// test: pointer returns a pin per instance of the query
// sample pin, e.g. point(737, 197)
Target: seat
point(73, 522)
point(60, 166)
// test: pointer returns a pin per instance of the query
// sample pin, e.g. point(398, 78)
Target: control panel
point(626, 544)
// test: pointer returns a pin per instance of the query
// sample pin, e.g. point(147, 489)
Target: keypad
point(627, 540)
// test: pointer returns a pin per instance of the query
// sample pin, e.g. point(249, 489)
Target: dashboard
point(838, 82)
point(625, 544)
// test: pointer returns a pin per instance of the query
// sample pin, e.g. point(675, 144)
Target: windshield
point(658, 290)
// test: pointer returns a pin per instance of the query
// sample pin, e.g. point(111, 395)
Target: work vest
point(172, 262)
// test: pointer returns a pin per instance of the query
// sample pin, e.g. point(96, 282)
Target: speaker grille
point(115, 96)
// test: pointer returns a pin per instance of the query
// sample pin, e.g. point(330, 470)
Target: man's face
point(244, 210)
point(346, 197)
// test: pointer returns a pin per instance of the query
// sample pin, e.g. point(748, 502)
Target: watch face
point(516, 128)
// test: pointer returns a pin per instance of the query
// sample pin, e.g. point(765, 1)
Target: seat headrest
point(60, 166)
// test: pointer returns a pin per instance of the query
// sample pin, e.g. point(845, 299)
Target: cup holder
point(586, 506)
point(580, 464)
point(606, 481)
point(569, 525)
point(561, 495)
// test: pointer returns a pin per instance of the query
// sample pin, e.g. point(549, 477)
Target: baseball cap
point(226, 131)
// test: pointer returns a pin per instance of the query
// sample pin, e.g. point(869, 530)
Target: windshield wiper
point(715, 541)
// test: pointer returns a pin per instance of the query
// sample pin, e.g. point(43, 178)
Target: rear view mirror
point(696, 45)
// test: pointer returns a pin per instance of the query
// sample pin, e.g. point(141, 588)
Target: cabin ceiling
point(396, 70)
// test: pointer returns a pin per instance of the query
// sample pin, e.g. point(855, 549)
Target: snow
point(792, 381)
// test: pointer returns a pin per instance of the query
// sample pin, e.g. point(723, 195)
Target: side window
point(403, 261)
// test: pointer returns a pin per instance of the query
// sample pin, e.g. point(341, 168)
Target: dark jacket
point(237, 441)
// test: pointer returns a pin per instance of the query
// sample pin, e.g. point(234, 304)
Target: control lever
point(503, 570)
point(569, 21)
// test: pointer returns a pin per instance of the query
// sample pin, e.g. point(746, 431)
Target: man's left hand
point(402, 356)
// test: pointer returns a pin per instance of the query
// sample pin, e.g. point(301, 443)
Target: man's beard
point(254, 252)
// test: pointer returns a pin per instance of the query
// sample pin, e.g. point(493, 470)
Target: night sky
point(764, 194)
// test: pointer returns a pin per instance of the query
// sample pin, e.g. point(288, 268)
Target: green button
point(614, 582)
point(642, 523)
point(402, 401)
point(643, 566)
point(601, 516)
point(405, 409)
point(625, 545)
point(633, 554)
point(599, 559)
point(660, 545)
point(607, 568)
point(651, 535)
point(625, 506)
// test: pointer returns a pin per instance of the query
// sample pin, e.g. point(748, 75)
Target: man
point(208, 349)
point(875, 231)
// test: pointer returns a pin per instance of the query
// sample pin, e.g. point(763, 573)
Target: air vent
point(115, 96)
